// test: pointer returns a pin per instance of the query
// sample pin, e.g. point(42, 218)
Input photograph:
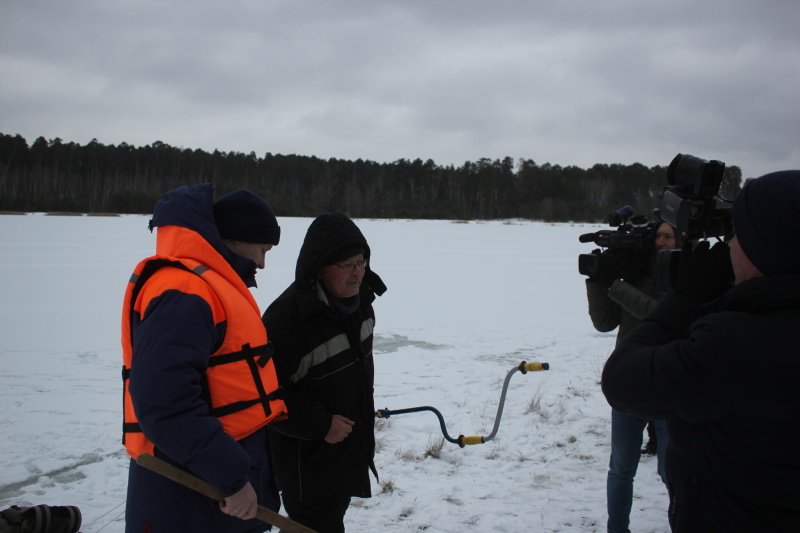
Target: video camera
point(690, 202)
point(628, 248)
point(692, 206)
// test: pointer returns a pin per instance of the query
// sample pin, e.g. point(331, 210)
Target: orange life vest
point(241, 385)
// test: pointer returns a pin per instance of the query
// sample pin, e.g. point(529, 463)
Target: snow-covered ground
point(467, 302)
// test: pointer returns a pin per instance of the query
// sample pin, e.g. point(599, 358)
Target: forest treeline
point(51, 175)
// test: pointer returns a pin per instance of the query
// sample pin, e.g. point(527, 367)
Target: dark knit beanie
point(766, 219)
point(340, 254)
point(244, 216)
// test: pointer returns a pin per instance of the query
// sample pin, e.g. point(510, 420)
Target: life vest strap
point(256, 358)
point(131, 427)
point(263, 352)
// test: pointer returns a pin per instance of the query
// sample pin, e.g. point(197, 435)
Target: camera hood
point(699, 177)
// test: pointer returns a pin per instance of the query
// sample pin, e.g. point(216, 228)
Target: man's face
point(249, 250)
point(343, 279)
point(743, 269)
point(665, 237)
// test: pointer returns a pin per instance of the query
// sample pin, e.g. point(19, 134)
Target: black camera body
point(628, 248)
point(690, 203)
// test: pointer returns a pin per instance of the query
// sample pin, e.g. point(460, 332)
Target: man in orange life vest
point(200, 383)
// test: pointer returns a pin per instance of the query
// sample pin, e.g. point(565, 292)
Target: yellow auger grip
point(466, 441)
point(536, 367)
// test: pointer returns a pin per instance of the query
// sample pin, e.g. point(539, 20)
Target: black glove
point(704, 274)
point(606, 273)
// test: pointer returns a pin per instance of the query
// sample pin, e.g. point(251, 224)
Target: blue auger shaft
point(462, 440)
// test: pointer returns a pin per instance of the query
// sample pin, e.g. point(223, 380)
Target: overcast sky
point(566, 82)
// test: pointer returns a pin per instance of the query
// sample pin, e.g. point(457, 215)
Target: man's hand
point(704, 274)
point(242, 504)
point(341, 427)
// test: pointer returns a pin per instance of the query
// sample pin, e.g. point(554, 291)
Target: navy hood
point(192, 207)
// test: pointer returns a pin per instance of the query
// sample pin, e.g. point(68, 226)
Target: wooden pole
point(203, 487)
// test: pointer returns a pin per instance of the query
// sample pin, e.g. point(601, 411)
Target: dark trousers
point(323, 516)
point(626, 443)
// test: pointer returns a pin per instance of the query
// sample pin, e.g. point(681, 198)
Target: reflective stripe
point(329, 349)
point(367, 327)
point(320, 354)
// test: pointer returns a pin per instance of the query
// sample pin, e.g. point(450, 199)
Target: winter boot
point(652, 441)
point(649, 448)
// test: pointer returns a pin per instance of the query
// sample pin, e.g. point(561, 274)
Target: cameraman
point(623, 305)
point(724, 370)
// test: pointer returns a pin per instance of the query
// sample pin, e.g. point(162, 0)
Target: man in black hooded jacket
point(725, 371)
point(321, 329)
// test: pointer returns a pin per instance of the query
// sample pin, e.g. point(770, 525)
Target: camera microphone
point(617, 218)
point(625, 212)
point(588, 237)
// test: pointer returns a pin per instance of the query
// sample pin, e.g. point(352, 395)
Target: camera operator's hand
point(604, 278)
point(606, 275)
point(608, 279)
point(704, 273)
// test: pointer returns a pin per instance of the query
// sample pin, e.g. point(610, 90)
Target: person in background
point(665, 240)
point(322, 330)
point(199, 384)
point(721, 364)
point(651, 448)
point(623, 305)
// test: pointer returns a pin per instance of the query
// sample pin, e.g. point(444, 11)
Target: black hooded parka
point(325, 363)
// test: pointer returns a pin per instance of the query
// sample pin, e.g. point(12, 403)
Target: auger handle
point(533, 367)
point(462, 440)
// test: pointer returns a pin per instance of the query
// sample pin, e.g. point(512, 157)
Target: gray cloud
point(566, 82)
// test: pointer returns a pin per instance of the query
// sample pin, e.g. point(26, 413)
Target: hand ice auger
point(462, 440)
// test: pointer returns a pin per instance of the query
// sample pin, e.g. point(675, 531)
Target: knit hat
point(341, 254)
point(244, 216)
point(766, 219)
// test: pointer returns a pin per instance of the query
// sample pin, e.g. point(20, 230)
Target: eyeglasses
point(349, 267)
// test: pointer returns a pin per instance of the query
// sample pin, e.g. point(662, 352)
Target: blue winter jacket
point(168, 392)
